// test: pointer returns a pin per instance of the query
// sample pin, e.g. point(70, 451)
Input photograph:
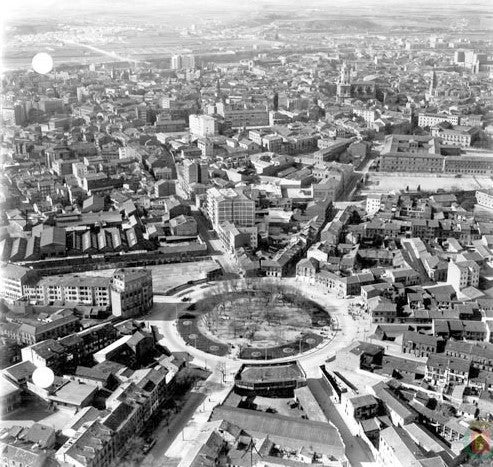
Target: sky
point(19, 8)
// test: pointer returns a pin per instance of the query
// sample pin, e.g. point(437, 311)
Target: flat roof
point(7, 387)
point(74, 393)
point(255, 373)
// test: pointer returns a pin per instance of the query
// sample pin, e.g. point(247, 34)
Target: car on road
point(148, 446)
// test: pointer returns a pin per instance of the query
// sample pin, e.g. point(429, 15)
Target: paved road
point(214, 245)
point(166, 435)
point(350, 330)
point(357, 451)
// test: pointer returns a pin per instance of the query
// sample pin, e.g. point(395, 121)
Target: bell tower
point(344, 84)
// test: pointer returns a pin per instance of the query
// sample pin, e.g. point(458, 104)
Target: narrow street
point(357, 452)
point(167, 434)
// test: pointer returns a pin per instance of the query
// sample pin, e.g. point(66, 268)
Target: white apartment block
point(14, 280)
point(456, 137)
point(183, 62)
point(463, 274)
point(373, 203)
point(202, 125)
point(430, 120)
point(71, 289)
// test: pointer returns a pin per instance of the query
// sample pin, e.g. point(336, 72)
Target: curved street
point(170, 447)
point(164, 319)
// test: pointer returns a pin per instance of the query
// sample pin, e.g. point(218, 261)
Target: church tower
point(432, 91)
point(433, 84)
point(344, 84)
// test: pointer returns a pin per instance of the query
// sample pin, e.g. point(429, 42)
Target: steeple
point(345, 77)
point(433, 83)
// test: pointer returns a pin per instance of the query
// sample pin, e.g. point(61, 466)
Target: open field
point(384, 183)
point(166, 276)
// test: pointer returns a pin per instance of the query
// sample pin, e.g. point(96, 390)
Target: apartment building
point(230, 205)
point(93, 444)
point(373, 203)
point(71, 350)
point(202, 125)
point(14, 280)
point(131, 292)
point(194, 172)
point(243, 115)
point(183, 62)
point(430, 120)
point(31, 333)
point(71, 289)
point(463, 274)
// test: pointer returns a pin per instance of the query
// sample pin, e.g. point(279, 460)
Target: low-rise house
point(361, 407)
point(421, 345)
point(382, 310)
point(442, 370)
point(399, 411)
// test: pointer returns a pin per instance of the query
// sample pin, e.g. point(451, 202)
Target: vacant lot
point(383, 183)
point(166, 276)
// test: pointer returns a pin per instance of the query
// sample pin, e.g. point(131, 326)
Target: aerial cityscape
point(246, 233)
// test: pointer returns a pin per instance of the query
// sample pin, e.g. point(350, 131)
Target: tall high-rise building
point(230, 205)
point(183, 62)
point(131, 292)
point(194, 172)
point(202, 125)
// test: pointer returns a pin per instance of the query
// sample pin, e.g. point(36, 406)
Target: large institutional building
point(347, 89)
point(243, 115)
point(412, 153)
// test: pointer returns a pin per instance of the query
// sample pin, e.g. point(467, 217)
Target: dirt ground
point(250, 321)
point(385, 183)
point(166, 276)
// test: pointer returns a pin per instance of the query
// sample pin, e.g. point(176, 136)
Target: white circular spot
point(43, 377)
point(42, 63)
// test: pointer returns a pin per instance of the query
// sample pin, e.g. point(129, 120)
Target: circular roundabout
point(262, 321)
